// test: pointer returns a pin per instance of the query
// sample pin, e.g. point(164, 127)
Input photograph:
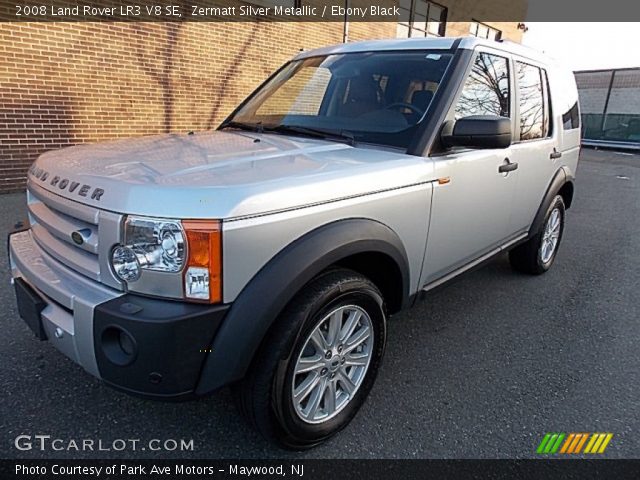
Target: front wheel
point(318, 363)
point(537, 254)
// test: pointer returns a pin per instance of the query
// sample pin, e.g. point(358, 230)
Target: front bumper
point(145, 346)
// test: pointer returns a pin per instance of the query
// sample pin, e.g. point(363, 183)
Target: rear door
point(471, 211)
point(536, 146)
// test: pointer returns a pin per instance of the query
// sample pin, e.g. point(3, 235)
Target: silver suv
point(269, 254)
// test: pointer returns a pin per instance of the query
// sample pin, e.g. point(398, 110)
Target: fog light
point(126, 344)
point(125, 264)
point(118, 346)
point(196, 283)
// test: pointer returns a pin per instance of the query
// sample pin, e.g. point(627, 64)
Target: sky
point(587, 45)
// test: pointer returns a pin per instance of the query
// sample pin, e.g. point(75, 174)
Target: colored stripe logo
point(574, 443)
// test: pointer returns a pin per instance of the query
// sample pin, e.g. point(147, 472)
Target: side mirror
point(477, 131)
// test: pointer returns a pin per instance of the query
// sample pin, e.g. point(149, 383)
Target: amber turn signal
point(203, 272)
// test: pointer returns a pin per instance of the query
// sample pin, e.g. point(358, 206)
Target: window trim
point(548, 107)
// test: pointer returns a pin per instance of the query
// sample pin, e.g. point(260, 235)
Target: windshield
point(373, 97)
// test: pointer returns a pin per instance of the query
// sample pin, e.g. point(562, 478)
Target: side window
point(571, 119)
point(486, 91)
point(532, 114)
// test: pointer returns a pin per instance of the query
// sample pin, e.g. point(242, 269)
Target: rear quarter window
point(571, 118)
point(565, 94)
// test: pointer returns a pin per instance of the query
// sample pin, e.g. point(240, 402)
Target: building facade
point(77, 82)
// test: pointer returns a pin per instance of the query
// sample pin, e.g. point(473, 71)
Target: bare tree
point(230, 72)
point(161, 73)
point(486, 91)
point(531, 101)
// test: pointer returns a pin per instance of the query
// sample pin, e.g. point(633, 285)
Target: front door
point(470, 214)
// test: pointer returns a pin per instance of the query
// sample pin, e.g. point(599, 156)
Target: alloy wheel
point(332, 364)
point(551, 236)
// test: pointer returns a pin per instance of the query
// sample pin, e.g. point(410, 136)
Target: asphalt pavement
point(482, 368)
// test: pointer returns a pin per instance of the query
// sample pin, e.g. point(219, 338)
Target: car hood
point(220, 174)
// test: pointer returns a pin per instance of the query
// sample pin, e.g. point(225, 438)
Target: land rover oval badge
point(77, 238)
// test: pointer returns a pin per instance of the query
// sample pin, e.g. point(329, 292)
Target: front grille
point(54, 219)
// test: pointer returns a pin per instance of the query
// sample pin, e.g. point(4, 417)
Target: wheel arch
point(561, 184)
point(352, 243)
point(566, 191)
point(383, 271)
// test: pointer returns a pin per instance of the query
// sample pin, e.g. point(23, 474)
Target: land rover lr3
point(269, 254)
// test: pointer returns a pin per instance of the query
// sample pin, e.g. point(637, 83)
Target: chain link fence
point(610, 106)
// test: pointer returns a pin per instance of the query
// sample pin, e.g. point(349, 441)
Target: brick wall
point(68, 83)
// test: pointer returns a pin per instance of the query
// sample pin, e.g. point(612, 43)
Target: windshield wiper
point(252, 127)
point(308, 131)
point(314, 132)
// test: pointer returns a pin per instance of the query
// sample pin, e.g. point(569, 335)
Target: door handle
point(555, 154)
point(507, 166)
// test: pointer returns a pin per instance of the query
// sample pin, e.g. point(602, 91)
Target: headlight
point(125, 263)
point(183, 259)
point(157, 244)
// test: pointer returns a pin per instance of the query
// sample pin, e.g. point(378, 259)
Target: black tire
point(527, 257)
point(264, 396)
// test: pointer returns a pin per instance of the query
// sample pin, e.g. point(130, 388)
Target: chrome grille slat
point(61, 226)
point(54, 218)
point(61, 204)
point(79, 260)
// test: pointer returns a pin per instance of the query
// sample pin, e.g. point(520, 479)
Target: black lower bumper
point(154, 348)
point(29, 307)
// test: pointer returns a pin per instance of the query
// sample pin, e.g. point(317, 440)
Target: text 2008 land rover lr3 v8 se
point(269, 254)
